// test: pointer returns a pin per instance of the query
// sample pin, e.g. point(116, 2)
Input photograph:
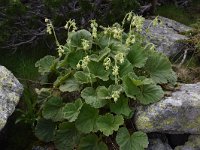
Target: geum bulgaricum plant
point(98, 77)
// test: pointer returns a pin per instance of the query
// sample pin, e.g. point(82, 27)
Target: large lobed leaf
point(121, 107)
point(137, 55)
point(109, 123)
point(76, 38)
point(72, 110)
point(91, 142)
point(45, 64)
point(86, 121)
point(136, 141)
point(53, 109)
point(98, 70)
point(67, 136)
point(90, 96)
point(70, 85)
point(84, 77)
point(159, 68)
point(144, 90)
point(45, 130)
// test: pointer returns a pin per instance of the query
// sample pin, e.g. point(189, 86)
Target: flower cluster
point(130, 40)
point(119, 57)
point(115, 95)
point(115, 31)
point(85, 44)
point(60, 50)
point(107, 63)
point(94, 26)
point(49, 26)
point(137, 22)
point(84, 64)
point(71, 24)
point(115, 70)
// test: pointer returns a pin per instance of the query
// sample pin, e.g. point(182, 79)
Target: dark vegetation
point(23, 41)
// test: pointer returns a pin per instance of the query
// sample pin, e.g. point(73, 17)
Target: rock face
point(177, 114)
point(193, 143)
point(167, 35)
point(10, 92)
point(157, 144)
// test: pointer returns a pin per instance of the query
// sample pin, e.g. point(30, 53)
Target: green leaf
point(104, 41)
point(45, 130)
point(53, 109)
point(72, 110)
point(91, 142)
point(75, 57)
point(117, 47)
point(125, 68)
point(70, 85)
point(130, 89)
point(159, 68)
point(67, 136)
point(136, 141)
point(109, 123)
point(98, 70)
point(90, 96)
point(103, 92)
point(149, 93)
point(121, 107)
point(86, 121)
point(45, 64)
point(137, 55)
point(146, 93)
point(76, 38)
point(83, 77)
point(101, 55)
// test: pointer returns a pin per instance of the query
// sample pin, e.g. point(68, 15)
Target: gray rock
point(193, 143)
point(157, 144)
point(10, 92)
point(166, 36)
point(177, 114)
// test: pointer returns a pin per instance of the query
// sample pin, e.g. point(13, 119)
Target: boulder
point(193, 143)
point(10, 92)
point(157, 144)
point(177, 114)
point(167, 35)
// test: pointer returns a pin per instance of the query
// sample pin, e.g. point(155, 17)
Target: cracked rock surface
point(177, 114)
point(10, 92)
point(167, 35)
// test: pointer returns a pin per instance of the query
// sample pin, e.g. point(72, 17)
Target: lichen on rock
point(179, 113)
point(10, 92)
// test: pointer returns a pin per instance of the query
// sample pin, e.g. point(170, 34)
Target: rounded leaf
point(45, 130)
point(86, 121)
point(91, 142)
point(136, 141)
point(109, 123)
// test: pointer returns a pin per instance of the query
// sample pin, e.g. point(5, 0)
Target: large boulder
point(177, 114)
point(167, 35)
point(10, 92)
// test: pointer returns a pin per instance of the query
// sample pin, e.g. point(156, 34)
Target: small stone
point(10, 93)
point(177, 114)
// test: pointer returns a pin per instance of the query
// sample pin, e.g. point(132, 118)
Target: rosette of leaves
point(109, 70)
